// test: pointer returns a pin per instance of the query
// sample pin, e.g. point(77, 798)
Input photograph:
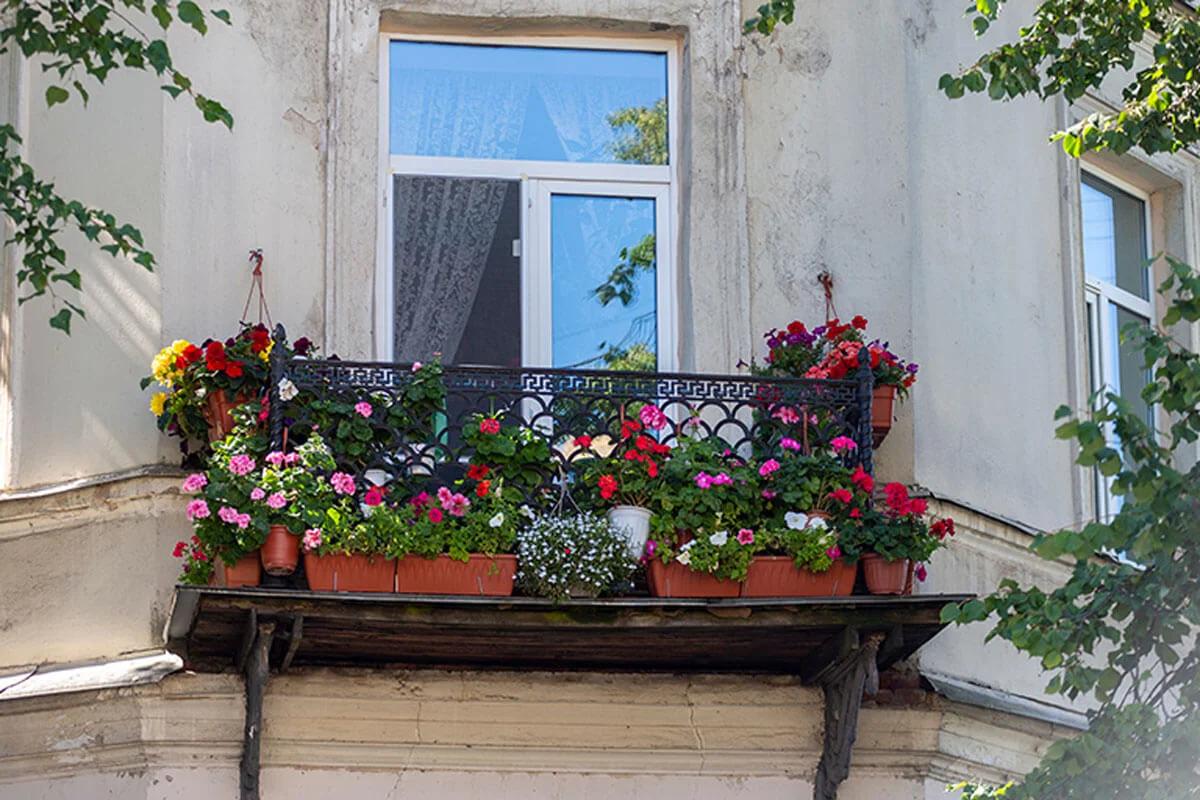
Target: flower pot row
point(778, 576)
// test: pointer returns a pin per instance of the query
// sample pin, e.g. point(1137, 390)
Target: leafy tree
point(1125, 627)
point(1069, 48)
point(79, 41)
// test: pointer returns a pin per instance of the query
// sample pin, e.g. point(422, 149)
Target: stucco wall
point(452, 734)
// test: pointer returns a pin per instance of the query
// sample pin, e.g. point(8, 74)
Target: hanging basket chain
point(256, 287)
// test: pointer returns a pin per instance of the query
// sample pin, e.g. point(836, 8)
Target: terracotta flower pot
point(676, 580)
point(281, 551)
point(350, 573)
point(777, 576)
point(490, 576)
point(887, 577)
point(247, 571)
point(883, 400)
point(218, 412)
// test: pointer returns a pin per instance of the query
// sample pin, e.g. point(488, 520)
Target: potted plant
point(892, 541)
point(448, 543)
point(572, 555)
point(344, 552)
point(831, 352)
point(709, 561)
point(627, 477)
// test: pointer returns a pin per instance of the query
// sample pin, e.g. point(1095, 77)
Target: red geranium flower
point(214, 356)
point(482, 489)
point(608, 486)
point(478, 472)
point(260, 337)
point(862, 480)
point(233, 369)
point(795, 326)
point(489, 425)
point(842, 495)
point(859, 322)
point(583, 442)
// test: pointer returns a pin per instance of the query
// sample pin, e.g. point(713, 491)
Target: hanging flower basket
point(339, 572)
point(778, 576)
point(887, 577)
point(883, 401)
point(218, 412)
point(676, 580)
point(489, 576)
point(281, 551)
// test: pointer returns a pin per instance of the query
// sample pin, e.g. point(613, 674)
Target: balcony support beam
point(257, 669)
point(856, 670)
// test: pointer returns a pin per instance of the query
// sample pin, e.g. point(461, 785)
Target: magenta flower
point(920, 573)
point(275, 459)
point(789, 444)
point(768, 494)
point(745, 536)
point(652, 417)
point(194, 482)
point(704, 480)
point(768, 466)
point(435, 515)
point(456, 505)
point(198, 509)
point(291, 458)
point(343, 483)
point(257, 493)
point(834, 552)
point(228, 514)
point(276, 501)
point(651, 548)
point(721, 479)
point(243, 521)
point(787, 415)
point(363, 408)
point(312, 539)
point(843, 444)
point(241, 464)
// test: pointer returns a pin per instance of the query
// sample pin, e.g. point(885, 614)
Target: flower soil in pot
point(218, 413)
point(281, 551)
point(883, 400)
point(490, 576)
point(778, 576)
point(634, 523)
point(246, 571)
point(887, 577)
point(339, 572)
point(676, 580)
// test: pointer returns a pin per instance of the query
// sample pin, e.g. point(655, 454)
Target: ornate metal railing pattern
point(407, 435)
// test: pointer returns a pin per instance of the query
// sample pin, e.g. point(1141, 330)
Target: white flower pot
point(634, 524)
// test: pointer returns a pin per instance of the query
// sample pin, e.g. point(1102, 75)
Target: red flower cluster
point(842, 495)
point(216, 361)
point(489, 425)
point(374, 496)
point(483, 488)
point(863, 481)
point(942, 528)
point(900, 504)
point(260, 339)
point(190, 355)
point(608, 486)
point(478, 472)
point(583, 442)
point(644, 450)
point(193, 549)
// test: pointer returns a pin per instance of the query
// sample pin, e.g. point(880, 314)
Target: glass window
point(528, 103)
point(1114, 237)
point(603, 269)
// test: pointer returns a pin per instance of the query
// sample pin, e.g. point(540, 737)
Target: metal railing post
point(275, 404)
point(866, 388)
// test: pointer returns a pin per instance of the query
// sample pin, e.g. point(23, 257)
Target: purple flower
point(768, 494)
point(834, 552)
point(920, 573)
point(911, 369)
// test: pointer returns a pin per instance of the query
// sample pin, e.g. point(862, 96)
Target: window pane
point(1131, 376)
point(528, 103)
point(1114, 237)
point(603, 263)
point(457, 272)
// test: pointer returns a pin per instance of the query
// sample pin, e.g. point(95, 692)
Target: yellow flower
point(179, 345)
point(163, 367)
point(158, 402)
point(265, 355)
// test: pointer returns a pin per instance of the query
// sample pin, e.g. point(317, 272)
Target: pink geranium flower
point(843, 444)
point(243, 521)
point(228, 514)
point(275, 459)
point(257, 493)
point(721, 479)
point(788, 443)
point(787, 415)
point(194, 482)
point(652, 417)
point(241, 464)
point(276, 501)
point(312, 539)
point(198, 509)
point(768, 466)
point(745, 536)
point(704, 480)
point(343, 483)
point(768, 494)
point(363, 408)
point(834, 552)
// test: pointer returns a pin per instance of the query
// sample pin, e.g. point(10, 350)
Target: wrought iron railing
point(413, 430)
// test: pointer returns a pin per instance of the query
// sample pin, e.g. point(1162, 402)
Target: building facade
point(384, 157)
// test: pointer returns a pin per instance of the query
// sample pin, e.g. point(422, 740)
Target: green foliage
point(642, 133)
point(515, 453)
point(564, 555)
point(426, 527)
point(78, 41)
point(1123, 629)
point(636, 358)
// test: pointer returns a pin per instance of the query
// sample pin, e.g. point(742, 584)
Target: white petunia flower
point(684, 557)
point(497, 520)
point(719, 538)
point(816, 523)
point(287, 389)
point(796, 520)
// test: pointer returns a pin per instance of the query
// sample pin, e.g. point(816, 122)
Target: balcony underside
point(213, 628)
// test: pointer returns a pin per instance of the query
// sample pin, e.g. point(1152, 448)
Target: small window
point(530, 195)
point(1116, 261)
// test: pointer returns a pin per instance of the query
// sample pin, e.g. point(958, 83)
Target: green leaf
point(191, 14)
point(56, 95)
point(62, 321)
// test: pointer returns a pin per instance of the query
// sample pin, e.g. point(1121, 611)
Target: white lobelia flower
point(816, 524)
point(287, 389)
point(497, 520)
point(527, 511)
point(719, 538)
point(684, 557)
point(796, 520)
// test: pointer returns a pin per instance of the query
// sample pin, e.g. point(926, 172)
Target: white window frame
point(1104, 334)
point(539, 179)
